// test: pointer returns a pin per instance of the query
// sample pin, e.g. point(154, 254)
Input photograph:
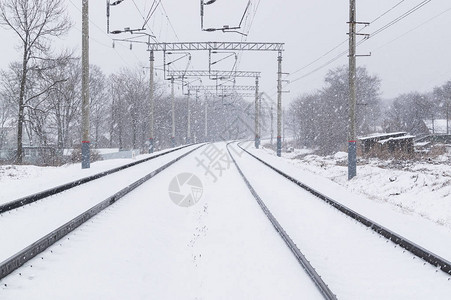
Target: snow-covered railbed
point(23, 226)
point(355, 262)
point(146, 247)
point(413, 226)
point(19, 181)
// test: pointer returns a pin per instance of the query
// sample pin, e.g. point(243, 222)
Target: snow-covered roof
point(422, 144)
point(382, 135)
point(405, 137)
point(437, 126)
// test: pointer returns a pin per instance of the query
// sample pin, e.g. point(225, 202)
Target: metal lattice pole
point(85, 144)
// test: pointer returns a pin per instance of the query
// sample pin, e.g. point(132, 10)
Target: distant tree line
point(320, 120)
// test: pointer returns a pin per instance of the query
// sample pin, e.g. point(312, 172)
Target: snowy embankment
point(18, 181)
point(416, 188)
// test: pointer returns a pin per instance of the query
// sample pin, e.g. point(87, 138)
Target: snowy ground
point(147, 247)
point(417, 188)
point(353, 260)
point(324, 175)
point(20, 181)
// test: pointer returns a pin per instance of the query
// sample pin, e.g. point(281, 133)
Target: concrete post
point(257, 112)
point(173, 112)
point(279, 105)
point(188, 136)
point(352, 153)
point(152, 103)
point(85, 144)
point(206, 118)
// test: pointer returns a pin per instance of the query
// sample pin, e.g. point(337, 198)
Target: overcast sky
point(412, 55)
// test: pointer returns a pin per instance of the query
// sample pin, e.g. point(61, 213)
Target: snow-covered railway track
point(397, 239)
point(345, 250)
point(22, 242)
point(14, 204)
point(316, 278)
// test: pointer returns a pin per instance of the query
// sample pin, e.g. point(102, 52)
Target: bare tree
point(64, 101)
point(35, 22)
point(99, 103)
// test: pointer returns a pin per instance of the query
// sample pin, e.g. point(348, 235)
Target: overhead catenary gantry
point(221, 75)
point(225, 88)
point(219, 46)
point(234, 46)
point(212, 74)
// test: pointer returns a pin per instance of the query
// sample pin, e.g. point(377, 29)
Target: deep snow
point(146, 247)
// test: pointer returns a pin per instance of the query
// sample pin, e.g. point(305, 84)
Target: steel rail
point(61, 188)
point(19, 259)
point(311, 272)
point(430, 257)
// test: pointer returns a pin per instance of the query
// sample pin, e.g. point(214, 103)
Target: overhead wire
point(345, 41)
point(415, 28)
point(152, 10)
point(398, 19)
point(144, 18)
point(247, 31)
point(376, 32)
point(169, 20)
point(101, 30)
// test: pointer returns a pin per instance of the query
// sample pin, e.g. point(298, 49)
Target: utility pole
point(188, 136)
point(257, 110)
point(152, 103)
point(447, 117)
point(206, 118)
point(261, 118)
point(85, 149)
point(173, 112)
point(279, 105)
point(272, 123)
point(352, 146)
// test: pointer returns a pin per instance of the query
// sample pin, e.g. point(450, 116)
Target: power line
point(415, 28)
point(170, 23)
point(345, 41)
point(101, 30)
point(245, 37)
point(386, 12)
point(383, 28)
point(398, 19)
point(152, 11)
point(144, 18)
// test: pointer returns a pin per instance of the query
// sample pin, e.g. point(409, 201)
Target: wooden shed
point(393, 144)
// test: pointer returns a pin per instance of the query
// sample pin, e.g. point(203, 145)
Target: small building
point(398, 145)
point(438, 137)
point(383, 144)
point(369, 143)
